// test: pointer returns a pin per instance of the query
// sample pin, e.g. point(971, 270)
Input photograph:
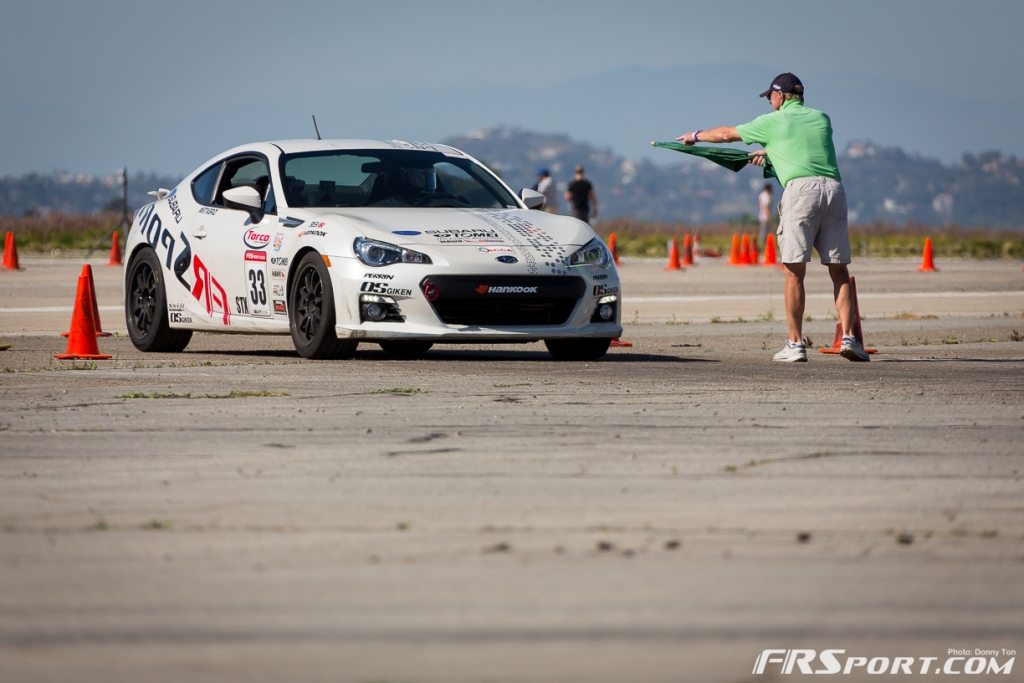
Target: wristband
point(694, 138)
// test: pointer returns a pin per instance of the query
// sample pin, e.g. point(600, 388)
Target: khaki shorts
point(812, 213)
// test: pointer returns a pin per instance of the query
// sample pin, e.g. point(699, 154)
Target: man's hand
point(757, 158)
point(688, 139)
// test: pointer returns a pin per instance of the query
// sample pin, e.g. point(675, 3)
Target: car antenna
point(316, 128)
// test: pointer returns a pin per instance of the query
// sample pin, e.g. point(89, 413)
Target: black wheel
point(577, 349)
point(145, 307)
point(311, 312)
point(405, 349)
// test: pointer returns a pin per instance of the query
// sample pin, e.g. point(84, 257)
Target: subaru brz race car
point(345, 241)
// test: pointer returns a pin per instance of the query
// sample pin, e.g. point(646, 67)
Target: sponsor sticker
point(255, 239)
point(279, 307)
point(260, 256)
point(505, 289)
point(956, 662)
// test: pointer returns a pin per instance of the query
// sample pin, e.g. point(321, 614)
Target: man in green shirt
point(812, 213)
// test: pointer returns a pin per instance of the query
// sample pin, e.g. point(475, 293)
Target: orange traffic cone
point(115, 252)
point(673, 256)
point(734, 251)
point(745, 251)
point(927, 263)
point(769, 251)
point(10, 253)
point(82, 337)
point(752, 256)
point(837, 342)
point(618, 342)
point(687, 259)
point(87, 274)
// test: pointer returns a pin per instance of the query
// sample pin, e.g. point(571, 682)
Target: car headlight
point(376, 254)
point(593, 253)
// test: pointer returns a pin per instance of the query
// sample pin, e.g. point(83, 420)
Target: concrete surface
point(235, 513)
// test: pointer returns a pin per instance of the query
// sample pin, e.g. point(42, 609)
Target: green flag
point(727, 157)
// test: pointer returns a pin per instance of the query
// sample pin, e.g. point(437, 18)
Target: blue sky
point(93, 86)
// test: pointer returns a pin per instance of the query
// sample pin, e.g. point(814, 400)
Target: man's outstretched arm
point(720, 134)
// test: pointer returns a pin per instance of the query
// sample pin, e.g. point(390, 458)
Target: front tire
point(145, 307)
point(311, 312)
point(577, 349)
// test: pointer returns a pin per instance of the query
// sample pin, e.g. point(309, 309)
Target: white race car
point(345, 241)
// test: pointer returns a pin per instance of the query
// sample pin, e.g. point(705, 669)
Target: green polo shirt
point(798, 141)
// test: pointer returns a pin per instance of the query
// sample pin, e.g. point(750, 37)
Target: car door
point(229, 249)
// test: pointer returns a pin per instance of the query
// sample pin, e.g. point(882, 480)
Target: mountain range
point(884, 184)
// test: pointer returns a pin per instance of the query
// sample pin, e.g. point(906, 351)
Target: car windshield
point(393, 178)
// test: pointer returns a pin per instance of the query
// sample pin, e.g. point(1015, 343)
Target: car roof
point(308, 145)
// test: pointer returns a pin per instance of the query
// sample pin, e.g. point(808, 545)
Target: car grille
point(490, 301)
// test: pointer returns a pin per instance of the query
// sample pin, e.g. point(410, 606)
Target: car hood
point(462, 227)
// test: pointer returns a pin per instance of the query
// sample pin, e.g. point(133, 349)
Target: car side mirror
point(247, 198)
point(532, 198)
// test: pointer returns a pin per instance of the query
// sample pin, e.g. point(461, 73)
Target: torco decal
point(493, 289)
point(256, 240)
point(383, 288)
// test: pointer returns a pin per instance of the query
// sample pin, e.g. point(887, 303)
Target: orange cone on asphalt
point(673, 256)
point(752, 255)
point(687, 258)
point(769, 251)
point(10, 253)
point(837, 343)
point(618, 342)
point(734, 251)
point(82, 336)
point(927, 261)
point(744, 256)
point(91, 297)
point(115, 251)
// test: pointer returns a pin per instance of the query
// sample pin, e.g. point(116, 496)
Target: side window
point(243, 171)
point(202, 186)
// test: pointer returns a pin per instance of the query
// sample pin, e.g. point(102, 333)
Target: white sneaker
point(851, 349)
point(792, 352)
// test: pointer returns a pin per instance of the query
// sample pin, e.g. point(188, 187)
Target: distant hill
point(884, 184)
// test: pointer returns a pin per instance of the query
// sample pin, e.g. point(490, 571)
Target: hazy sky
point(93, 85)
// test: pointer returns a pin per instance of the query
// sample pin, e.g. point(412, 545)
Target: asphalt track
point(235, 513)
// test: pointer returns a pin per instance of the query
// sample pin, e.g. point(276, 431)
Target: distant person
point(798, 140)
point(581, 197)
point(546, 186)
point(764, 213)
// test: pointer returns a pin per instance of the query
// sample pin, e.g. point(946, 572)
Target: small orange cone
point(673, 256)
point(87, 274)
point(82, 337)
point(115, 252)
point(744, 256)
point(618, 342)
point(687, 259)
point(734, 251)
point(10, 253)
point(769, 251)
point(927, 262)
point(837, 342)
point(752, 256)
